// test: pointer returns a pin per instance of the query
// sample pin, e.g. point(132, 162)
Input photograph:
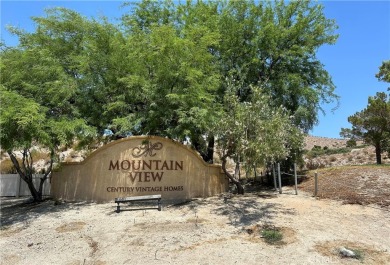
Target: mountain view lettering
point(145, 170)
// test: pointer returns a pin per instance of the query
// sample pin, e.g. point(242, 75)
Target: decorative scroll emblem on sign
point(146, 149)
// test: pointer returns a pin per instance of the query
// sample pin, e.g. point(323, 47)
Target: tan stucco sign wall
point(139, 166)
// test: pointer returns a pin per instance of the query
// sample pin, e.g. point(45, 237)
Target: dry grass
point(70, 227)
point(38, 155)
point(6, 166)
point(352, 184)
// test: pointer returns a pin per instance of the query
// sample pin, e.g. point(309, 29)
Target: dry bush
point(313, 164)
point(37, 155)
point(68, 159)
point(6, 166)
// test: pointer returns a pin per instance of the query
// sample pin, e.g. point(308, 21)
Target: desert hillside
point(334, 152)
point(311, 141)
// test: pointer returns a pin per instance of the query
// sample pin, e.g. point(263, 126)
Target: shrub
point(311, 164)
point(319, 152)
point(7, 167)
point(351, 143)
point(36, 155)
point(272, 235)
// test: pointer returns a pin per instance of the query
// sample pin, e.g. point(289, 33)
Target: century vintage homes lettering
point(137, 168)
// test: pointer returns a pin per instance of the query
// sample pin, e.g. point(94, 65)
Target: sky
point(362, 46)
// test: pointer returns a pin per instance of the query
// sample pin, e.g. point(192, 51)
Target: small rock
point(347, 252)
point(30, 244)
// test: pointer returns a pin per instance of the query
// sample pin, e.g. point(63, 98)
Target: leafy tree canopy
point(36, 109)
point(372, 124)
point(384, 72)
point(255, 131)
point(272, 44)
point(167, 69)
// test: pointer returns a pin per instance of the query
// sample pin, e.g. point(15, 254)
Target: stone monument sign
point(140, 165)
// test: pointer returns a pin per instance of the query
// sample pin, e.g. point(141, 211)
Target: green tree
point(384, 72)
point(254, 131)
point(274, 44)
point(36, 109)
point(267, 44)
point(90, 54)
point(173, 81)
point(166, 69)
point(372, 124)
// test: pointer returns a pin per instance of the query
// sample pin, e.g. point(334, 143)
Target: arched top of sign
point(149, 147)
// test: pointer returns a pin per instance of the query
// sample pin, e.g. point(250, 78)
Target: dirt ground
point(224, 229)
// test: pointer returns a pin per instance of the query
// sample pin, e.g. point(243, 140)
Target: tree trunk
point(206, 153)
point(210, 149)
point(378, 153)
point(240, 188)
point(26, 173)
point(237, 171)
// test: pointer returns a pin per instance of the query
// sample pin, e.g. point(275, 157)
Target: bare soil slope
point(352, 184)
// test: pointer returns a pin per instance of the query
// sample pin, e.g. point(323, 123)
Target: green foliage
point(21, 120)
point(384, 72)
point(254, 130)
point(316, 147)
point(316, 152)
point(359, 254)
point(271, 235)
point(38, 98)
point(191, 70)
point(274, 44)
point(174, 96)
point(271, 44)
point(351, 143)
point(373, 124)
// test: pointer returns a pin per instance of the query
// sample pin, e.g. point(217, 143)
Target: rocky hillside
point(311, 141)
point(334, 153)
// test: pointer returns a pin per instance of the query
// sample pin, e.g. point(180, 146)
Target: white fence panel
point(12, 185)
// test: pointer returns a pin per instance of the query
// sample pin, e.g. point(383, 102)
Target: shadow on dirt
point(241, 210)
point(23, 210)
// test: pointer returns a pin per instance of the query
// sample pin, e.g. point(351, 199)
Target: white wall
point(13, 185)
